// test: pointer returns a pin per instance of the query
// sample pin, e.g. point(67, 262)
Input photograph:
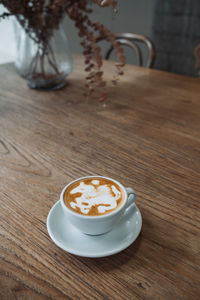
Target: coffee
point(94, 196)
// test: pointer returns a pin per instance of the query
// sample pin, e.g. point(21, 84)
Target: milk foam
point(91, 195)
point(95, 182)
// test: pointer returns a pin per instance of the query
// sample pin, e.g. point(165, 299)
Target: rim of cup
point(94, 217)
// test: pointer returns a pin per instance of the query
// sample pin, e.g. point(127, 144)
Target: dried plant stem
point(52, 59)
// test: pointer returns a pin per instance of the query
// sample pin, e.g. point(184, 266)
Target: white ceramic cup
point(95, 225)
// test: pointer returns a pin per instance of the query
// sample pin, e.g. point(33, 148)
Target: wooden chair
point(134, 41)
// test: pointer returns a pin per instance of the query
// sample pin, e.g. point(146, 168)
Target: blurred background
point(171, 25)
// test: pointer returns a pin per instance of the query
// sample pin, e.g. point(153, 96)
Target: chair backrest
point(134, 41)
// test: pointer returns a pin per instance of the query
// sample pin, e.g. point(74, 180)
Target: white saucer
point(70, 239)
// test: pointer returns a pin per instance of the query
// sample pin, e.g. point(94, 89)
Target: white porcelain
point(72, 240)
point(95, 225)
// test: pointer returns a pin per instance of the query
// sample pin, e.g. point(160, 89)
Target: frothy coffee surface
point(94, 196)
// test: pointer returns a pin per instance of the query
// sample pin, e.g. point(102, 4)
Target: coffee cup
point(95, 204)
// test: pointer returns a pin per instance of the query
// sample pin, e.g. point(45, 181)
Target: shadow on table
point(114, 261)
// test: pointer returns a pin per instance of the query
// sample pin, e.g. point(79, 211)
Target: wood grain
point(146, 136)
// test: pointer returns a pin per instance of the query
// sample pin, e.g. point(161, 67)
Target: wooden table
point(147, 136)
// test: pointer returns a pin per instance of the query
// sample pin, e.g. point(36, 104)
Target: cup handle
point(131, 197)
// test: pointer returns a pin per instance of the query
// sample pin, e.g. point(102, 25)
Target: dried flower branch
point(39, 18)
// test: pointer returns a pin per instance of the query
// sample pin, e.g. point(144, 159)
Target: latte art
point(101, 196)
point(93, 196)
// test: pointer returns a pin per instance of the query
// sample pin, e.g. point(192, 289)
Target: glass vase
point(43, 66)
